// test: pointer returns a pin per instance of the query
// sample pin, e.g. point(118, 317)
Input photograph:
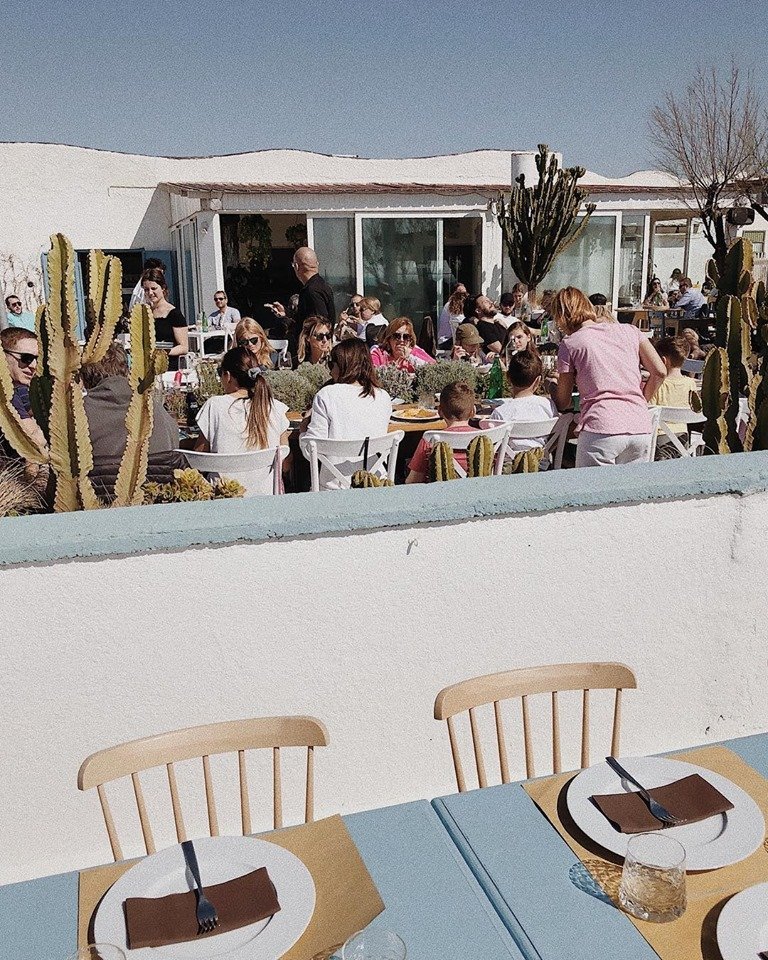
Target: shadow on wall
point(154, 231)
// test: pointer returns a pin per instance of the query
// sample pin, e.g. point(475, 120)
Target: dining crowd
point(613, 370)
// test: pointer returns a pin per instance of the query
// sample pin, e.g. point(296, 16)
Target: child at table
point(676, 389)
point(457, 405)
point(524, 375)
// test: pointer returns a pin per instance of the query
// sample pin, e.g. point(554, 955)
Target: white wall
point(363, 630)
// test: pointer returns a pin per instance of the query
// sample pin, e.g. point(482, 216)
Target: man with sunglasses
point(21, 351)
point(223, 313)
point(17, 315)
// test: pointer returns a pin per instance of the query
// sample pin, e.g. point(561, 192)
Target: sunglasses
point(25, 359)
point(15, 304)
point(402, 337)
point(218, 299)
point(247, 340)
point(321, 336)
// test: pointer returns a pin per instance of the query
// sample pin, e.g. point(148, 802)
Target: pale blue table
point(534, 879)
point(432, 898)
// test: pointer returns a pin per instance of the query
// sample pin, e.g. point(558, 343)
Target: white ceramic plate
point(220, 859)
point(742, 927)
point(433, 415)
point(716, 842)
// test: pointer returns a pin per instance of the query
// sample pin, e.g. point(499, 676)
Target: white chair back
point(459, 442)
point(266, 462)
point(375, 454)
point(667, 415)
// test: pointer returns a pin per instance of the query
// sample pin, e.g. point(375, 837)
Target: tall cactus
point(726, 370)
point(55, 391)
point(441, 465)
point(539, 222)
point(480, 457)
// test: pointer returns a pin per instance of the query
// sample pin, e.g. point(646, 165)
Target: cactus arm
point(715, 395)
point(139, 420)
point(103, 304)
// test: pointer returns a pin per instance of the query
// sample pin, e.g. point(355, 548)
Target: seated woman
point(353, 407)
point(315, 341)
point(369, 309)
point(245, 418)
point(398, 347)
point(603, 361)
point(655, 296)
point(251, 336)
point(692, 339)
point(602, 308)
point(468, 345)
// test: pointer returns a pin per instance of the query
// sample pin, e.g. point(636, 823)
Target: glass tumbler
point(653, 879)
point(374, 943)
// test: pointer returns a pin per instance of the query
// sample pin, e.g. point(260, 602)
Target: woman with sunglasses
point(315, 341)
point(398, 348)
point(246, 417)
point(252, 337)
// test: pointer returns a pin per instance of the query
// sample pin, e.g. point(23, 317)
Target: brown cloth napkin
point(690, 800)
point(159, 921)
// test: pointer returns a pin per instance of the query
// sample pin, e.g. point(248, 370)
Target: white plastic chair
point(375, 454)
point(555, 429)
point(667, 415)
point(269, 461)
point(459, 442)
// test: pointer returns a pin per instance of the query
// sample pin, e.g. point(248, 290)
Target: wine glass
point(98, 951)
point(374, 943)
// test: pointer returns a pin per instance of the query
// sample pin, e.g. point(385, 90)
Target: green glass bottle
point(495, 381)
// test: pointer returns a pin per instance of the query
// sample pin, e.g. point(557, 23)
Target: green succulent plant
point(398, 383)
point(190, 485)
point(291, 388)
point(432, 377)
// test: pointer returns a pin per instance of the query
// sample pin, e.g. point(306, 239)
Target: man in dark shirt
point(480, 311)
point(316, 297)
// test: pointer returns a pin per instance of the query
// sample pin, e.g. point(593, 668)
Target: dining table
point(432, 898)
point(555, 904)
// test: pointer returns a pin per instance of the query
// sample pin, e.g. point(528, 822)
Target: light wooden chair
point(524, 683)
point(166, 749)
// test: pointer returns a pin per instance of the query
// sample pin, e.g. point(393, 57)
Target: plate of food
point(415, 415)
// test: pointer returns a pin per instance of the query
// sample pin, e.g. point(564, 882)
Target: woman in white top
point(353, 407)
point(245, 418)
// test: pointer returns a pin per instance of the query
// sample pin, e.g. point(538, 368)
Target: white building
point(402, 230)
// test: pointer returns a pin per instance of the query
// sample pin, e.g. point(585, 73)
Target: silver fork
point(207, 918)
point(660, 812)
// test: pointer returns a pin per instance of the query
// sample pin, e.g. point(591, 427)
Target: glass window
point(631, 259)
point(587, 263)
point(400, 265)
point(757, 238)
point(334, 243)
point(668, 251)
point(700, 252)
point(462, 247)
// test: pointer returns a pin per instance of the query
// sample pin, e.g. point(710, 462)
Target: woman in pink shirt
point(398, 347)
point(603, 361)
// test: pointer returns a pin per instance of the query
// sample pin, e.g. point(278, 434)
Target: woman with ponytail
point(245, 418)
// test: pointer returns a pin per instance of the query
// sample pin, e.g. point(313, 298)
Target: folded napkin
point(690, 800)
point(159, 921)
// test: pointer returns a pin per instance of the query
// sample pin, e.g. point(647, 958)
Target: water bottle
point(495, 381)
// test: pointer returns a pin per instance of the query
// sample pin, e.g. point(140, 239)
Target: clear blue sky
point(385, 78)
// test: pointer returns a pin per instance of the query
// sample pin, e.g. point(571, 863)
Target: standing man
point(316, 296)
point(17, 315)
point(223, 313)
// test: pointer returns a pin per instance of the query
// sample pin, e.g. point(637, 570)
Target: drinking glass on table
point(374, 943)
point(98, 951)
point(653, 878)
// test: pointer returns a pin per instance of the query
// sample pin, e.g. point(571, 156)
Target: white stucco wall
point(362, 630)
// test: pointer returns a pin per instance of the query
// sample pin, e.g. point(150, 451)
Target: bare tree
point(714, 140)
